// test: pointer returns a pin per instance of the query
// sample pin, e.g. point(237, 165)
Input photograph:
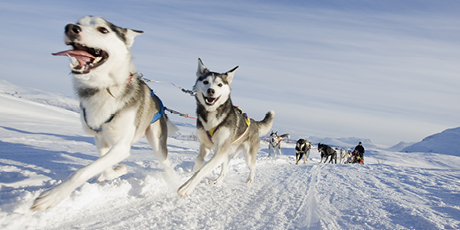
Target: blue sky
point(383, 70)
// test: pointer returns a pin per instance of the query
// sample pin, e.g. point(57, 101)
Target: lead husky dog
point(223, 128)
point(117, 107)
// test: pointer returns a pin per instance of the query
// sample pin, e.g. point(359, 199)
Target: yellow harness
point(246, 119)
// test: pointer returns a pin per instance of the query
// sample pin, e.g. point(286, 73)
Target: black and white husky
point(117, 107)
point(302, 148)
point(327, 151)
point(223, 128)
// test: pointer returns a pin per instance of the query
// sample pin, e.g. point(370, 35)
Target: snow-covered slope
point(39, 96)
point(400, 146)
point(40, 145)
point(446, 142)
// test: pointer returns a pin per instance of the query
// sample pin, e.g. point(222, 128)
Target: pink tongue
point(82, 56)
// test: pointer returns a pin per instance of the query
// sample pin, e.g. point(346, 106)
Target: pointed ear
point(230, 75)
point(130, 34)
point(201, 69)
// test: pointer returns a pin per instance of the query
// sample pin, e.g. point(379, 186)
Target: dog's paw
point(184, 191)
point(187, 188)
point(217, 181)
point(49, 199)
point(249, 180)
point(110, 174)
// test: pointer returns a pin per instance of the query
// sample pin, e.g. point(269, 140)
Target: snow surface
point(40, 145)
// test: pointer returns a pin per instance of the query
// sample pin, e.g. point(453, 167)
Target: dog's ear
point(130, 34)
point(230, 75)
point(201, 69)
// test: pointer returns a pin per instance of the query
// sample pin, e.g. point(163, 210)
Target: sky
point(380, 70)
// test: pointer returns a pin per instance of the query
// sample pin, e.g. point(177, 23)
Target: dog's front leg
point(54, 196)
point(307, 154)
point(199, 161)
point(218, 158)
point(110, 173)
point(223, 172)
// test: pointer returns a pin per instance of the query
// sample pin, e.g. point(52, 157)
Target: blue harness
point(162, 108)
point(155, 117)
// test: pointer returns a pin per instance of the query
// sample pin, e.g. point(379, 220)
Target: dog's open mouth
point(210, 100)
point(84, 58)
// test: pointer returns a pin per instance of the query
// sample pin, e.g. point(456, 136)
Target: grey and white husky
point(223, 128)
point(117, 107)
point(274, 144)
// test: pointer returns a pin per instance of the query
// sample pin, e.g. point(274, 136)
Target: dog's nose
point(72, 29)
point(211, 92)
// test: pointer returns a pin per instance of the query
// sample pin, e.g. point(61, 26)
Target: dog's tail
point(286, 135)
point(172, 128)
point(266, 124)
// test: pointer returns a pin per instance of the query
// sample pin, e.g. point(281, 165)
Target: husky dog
point(345, 156)
point(275, 143)
point(302, 148)
point(223, 128)
point(327, 151)
point(117, 107)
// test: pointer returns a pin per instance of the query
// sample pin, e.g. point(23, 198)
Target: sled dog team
point(118, 108)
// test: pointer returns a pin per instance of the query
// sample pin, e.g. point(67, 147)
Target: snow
point(41, 144)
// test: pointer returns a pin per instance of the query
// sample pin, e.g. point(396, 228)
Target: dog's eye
point(102, 30)
point(220, 85)
point(205, 82)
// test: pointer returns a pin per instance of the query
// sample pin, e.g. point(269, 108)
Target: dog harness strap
point(100, 127)
point(162, 109)
point(246, 119)
point(212, 131)
point(248, 123)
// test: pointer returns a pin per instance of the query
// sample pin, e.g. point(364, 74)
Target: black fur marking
point(120, 32)
point(87, 92)
point(223, 76)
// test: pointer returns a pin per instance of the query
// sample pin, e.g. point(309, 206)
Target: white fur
point(115, 140)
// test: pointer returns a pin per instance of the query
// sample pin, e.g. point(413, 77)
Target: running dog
point(223, 128)
point(117, 107)
point(327, 151)
point(302, 148)
point(275, 143)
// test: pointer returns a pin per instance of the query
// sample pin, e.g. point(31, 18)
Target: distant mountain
point(400, 146)
point(446, 142)
point(343, 142)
